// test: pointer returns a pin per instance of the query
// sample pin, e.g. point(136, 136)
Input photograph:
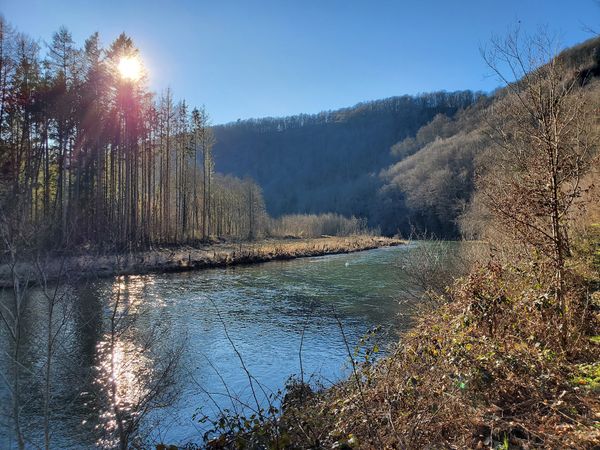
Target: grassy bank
point(487, 369)
point(187, 258)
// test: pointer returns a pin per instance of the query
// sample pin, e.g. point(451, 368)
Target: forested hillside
point(404, 163)
point(329, 162)
point(431, 183)
point(433, 180)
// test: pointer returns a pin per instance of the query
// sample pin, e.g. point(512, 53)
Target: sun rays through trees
point(90, 157)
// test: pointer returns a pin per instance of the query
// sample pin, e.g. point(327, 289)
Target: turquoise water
point(217, 321)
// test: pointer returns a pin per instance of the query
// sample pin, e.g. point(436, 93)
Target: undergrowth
point(489, 367)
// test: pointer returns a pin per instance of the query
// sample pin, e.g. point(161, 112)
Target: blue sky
point(272, 58)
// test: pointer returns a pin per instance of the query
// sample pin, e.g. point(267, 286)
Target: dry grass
point(293, 248)
point(487, 369)
point(185, 258)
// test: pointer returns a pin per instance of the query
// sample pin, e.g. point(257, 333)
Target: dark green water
point(265, 309)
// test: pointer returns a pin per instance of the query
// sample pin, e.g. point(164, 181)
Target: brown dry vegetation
point(191, 258)
point(485, 366)
point(484, 370)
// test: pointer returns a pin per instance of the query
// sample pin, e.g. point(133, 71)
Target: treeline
point(316, 225)
point(330, 162)
point(90, 158)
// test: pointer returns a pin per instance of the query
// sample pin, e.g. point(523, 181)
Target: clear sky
point(256, 58)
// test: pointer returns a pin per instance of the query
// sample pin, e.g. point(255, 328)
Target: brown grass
point(186, 258)
point(486, 369)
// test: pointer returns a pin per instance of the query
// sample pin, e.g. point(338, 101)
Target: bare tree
point(207, 142)
point(543, 144)
point(12, 317)
point(57, 317)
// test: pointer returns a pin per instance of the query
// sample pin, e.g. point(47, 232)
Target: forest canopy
point(331, 162)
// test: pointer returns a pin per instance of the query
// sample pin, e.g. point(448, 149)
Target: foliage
point(588, 375)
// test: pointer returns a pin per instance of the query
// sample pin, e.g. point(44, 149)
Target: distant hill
point(328, 162)
point(404, 162)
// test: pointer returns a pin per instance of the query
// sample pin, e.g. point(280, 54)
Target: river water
point(202, 334)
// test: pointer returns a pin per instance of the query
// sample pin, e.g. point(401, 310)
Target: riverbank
point(490, 363)
point(187, 258)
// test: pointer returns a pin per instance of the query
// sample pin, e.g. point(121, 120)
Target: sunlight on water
point(124, 371)
point(120, 379)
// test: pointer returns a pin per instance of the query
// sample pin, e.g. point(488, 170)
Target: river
point(217, 325)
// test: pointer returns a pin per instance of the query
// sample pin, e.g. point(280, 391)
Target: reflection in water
point(122, 377)
point(131, 375)
point(122, 370)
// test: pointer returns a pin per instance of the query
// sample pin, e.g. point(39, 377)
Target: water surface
point(218, 320)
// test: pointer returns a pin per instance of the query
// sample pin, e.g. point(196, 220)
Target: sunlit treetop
point(130, 68)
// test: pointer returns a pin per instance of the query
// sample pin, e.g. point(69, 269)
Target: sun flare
point(130, 68)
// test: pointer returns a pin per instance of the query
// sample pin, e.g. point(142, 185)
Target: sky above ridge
point(244, 59)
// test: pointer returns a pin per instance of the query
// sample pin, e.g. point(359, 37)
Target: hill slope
point(328, 162)
point(340, 161)
point(432, 181)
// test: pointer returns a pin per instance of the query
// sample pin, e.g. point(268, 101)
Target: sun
point(130, 68)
